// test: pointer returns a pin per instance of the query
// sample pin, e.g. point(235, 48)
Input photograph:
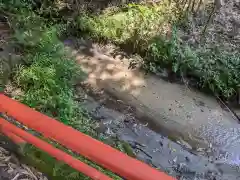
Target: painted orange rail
point(92, 149)
point(58, 154)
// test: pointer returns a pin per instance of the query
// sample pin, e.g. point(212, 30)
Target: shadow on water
point(104, 71)
point(101, 68)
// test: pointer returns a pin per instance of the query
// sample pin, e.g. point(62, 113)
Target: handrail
point(54, 152)
point(92, 149)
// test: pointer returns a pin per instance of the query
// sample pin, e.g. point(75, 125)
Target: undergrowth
point(214, 69)
point(133, 24)
point(46, 79)
point(48, 73)
point(47, 82)
point(153, 32)
point(56, 170)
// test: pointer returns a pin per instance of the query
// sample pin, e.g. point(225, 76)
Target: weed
point(134, 23)
point(48, 80)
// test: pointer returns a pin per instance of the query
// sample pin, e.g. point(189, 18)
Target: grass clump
point(47, 82)
point(133, 24)
point(56, 170)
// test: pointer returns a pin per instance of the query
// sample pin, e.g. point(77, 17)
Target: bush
point(47, 82)
point(134, 23)
point(214, 69)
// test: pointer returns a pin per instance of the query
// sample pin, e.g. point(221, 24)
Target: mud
point(117, 119)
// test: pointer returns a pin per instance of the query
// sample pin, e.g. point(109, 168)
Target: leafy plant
point(213, 69)
point(46, 79)
point(133, 23)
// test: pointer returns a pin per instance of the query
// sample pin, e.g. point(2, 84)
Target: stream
point(116, 119)
point(169, 126)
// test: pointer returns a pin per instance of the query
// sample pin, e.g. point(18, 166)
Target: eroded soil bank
point(175, 110)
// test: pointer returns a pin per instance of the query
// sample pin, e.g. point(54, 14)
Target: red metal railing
point(92, 149)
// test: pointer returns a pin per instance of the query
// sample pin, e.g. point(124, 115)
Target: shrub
point(214, 69)
point(47, 82)
point(134, 23)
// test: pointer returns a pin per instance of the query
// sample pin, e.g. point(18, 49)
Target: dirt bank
point(177, 111)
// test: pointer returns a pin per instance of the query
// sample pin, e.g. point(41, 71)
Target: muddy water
point(175, 110)
point(116, 119)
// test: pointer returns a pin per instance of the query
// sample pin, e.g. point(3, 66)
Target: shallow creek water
point(116, 119)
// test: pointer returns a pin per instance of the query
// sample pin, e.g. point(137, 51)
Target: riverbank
point(43, 79)
point(179, 112)
point(194, 42)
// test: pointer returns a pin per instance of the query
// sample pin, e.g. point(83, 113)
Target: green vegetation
point(154, 31)
point(133, 25)
point(212, 68)
point(48, 73)
point(47, 82)
point(56, 170)
point(46, 78)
